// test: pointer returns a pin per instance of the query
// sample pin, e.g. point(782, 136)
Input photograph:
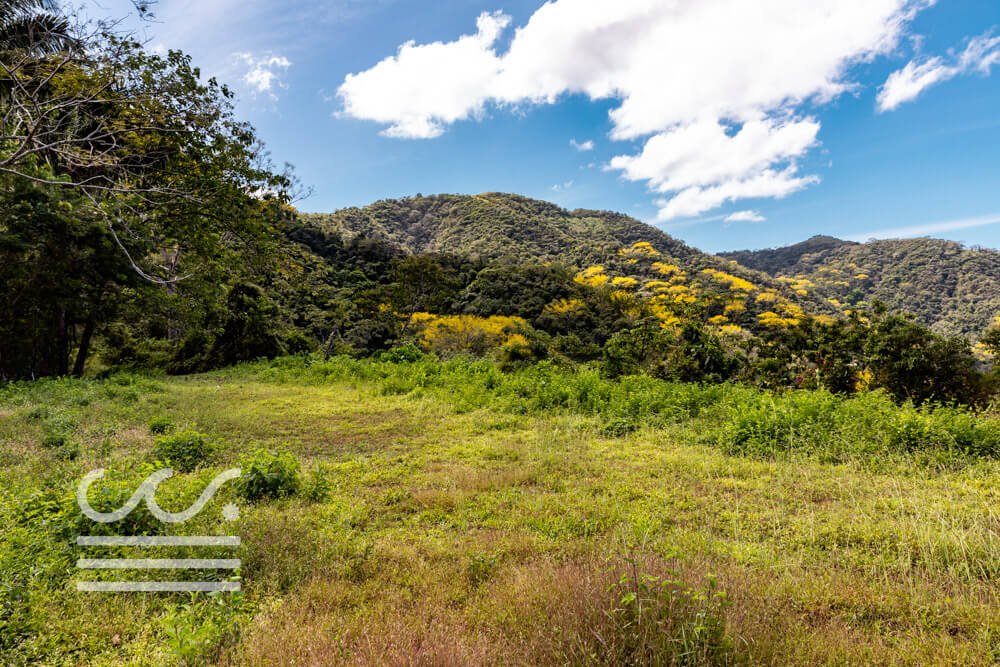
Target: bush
point(185, 451)
point(160, 425)
point(620, 427)
point(402, 354)
point(268, 474)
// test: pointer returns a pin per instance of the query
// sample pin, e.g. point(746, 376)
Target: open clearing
point(462, 530)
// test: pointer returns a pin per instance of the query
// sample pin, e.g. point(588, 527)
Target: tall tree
point(133, 152)
point(35, 27)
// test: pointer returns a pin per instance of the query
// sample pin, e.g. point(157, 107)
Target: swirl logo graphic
point(147, 492)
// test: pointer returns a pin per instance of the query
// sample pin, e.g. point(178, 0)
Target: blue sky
point(854, 118)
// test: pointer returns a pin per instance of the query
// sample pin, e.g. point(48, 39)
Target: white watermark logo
point(147, 492)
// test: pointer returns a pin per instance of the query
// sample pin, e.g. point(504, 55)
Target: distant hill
point(777, 261)
point(506, 228)
point(953, 289)
point(492, 226)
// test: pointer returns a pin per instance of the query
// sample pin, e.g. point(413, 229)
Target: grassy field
point(448, 513)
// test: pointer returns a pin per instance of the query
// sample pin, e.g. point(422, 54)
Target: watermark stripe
point(158, 541)
point(157, 586)
point(157, 563)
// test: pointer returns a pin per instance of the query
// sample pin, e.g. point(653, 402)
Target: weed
point(317, 486)
point(185, 451)
point(269, 474)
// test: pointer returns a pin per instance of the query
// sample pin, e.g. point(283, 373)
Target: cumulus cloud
point(423, 88)
point(745, 216)
point(737, 73)
point(582, 146)
point(766, 184)
point(707, 164)
point(263, 74)
point(916, 76)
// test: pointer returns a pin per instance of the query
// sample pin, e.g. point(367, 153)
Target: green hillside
point(506, 228)
point(951, 288)
point(497, 225)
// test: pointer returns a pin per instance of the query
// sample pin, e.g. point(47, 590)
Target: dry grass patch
point(545, 612)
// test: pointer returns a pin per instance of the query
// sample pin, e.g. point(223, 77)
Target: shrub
point(37, 413)
point(402, 354)
point(55, 440)
point(617, 428)
point(268, 474)
point(185, 451)
point(111, 493)
point(160, 425)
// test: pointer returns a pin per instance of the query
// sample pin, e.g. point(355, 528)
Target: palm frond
point(38, 33)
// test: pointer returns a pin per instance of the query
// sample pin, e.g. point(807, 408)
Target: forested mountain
point(498, 227)
point(951, 288)
point(777, 261)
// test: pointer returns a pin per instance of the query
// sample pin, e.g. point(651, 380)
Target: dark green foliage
point(991, 340)
point(178, 192)
point(643, 348)
point(420, 283)
point(698, 356)
point(692, 355)
point(184, 451)
point(778, 261)
point(161, 425)
point(912, 363)
point(522, 290)
point(619, 427)
point(60, 269)
point(248, 331)
point(268, 474)
point(34, 26)
point(402, 354)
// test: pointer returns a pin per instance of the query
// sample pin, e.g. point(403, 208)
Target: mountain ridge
point(952, 288)
point(502, 227)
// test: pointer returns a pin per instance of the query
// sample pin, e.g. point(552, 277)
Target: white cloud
point(981, 54)
point(678, 70)
point(582, 146)
point(706, 153)
point(926, 229)
point(562, 187)
point(263, 74)
point(768, 183)
point(422, 88)
point(907, 83)
point(745, 216)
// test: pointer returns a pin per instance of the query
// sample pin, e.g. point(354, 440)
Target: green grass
point(448, 513)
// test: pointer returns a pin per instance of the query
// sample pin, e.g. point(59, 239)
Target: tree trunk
point(81, 354)
point(62, 344)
